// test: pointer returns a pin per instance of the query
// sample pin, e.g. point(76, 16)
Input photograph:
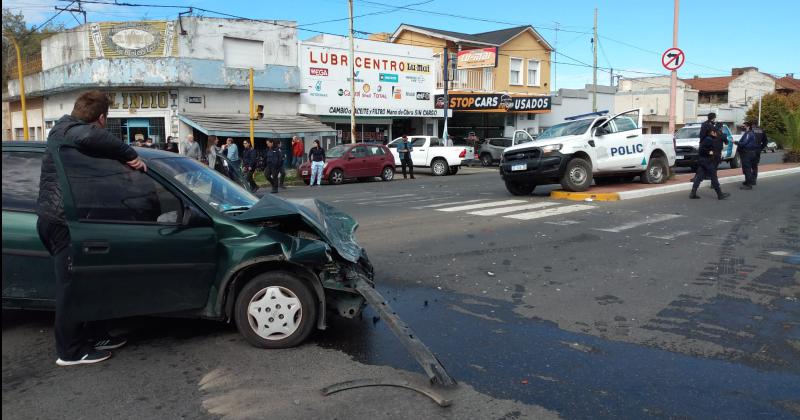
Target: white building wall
point(206, 40)
point(570, 102)
point(65, 47)
point(747, 88)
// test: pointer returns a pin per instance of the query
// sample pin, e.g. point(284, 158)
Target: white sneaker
point(94, 356)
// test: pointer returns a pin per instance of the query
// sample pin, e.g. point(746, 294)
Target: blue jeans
point(316, 172)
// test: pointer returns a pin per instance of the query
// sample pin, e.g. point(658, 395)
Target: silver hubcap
point(578, 175)
point(337, 177)
point(438, 168)
point(656, 173)
point(388, 174)
point(274, 313)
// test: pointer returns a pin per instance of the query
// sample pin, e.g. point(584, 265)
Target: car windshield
point(571, 128)
point(336, 152)
point(210, 186)
point(688, 133)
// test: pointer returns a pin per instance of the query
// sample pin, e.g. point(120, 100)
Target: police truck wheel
point(657, 172)
point(275, 310)
point(516, 188)
point(336, 177)
point(577, 176)
point(736, 162)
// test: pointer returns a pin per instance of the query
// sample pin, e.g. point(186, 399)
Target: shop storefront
point(393, 88)
point(491, 114)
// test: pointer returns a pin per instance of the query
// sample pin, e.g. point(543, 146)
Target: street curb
point(687, 186)
point(584, 196)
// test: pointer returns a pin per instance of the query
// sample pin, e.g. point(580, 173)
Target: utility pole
point(352, 78)
point(446, 74)
point(555, 63)
point(252, 113)
point(25, 134)
point(594, 66)
point(673, 83)
point(760, 98)
point(611, 79)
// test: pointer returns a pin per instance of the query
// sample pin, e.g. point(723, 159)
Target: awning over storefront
point(271, 126)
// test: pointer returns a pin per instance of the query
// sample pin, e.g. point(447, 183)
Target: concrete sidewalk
point(679, 182)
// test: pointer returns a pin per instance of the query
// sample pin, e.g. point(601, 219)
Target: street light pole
point(352, 78)
point(25, 133)
point(594, 67)
point(673, 83)
point(252, 112)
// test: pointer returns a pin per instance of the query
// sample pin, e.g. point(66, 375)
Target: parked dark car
point(354, 161)
point(182, 240)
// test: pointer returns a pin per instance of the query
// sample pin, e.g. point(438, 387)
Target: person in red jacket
point(298, 150)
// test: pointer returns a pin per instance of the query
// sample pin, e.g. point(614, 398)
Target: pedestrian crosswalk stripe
point(669, 236)
point(511, 209)
point(482, 205)
point(656, 218)
point(549, 212)
point(431, 206)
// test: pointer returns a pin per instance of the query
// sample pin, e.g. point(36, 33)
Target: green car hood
point(334, 227)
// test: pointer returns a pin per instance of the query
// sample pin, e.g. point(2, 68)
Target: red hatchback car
point(347, 161)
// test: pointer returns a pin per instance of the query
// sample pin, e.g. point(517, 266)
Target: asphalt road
point(657, 307)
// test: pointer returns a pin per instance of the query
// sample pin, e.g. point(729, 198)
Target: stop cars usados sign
point(673, 58)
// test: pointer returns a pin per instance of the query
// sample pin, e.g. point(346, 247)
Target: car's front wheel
point(657, 172)
point(275, 310)
point(577, 176)
point(336, 177)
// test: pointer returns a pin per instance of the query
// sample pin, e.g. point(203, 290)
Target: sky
point(715, 35)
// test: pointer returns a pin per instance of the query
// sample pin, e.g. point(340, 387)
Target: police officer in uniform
point(750, 147)
point(273, 161)
point(707, 164)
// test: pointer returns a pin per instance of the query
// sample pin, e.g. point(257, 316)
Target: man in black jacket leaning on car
point(84, 128)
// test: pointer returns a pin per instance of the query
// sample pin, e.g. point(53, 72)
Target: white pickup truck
point(586, 147)
point(429, 152)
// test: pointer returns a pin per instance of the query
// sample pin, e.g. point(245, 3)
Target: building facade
point(571, 102)
point(652, 95)
point(498, 81)
point(163, 77)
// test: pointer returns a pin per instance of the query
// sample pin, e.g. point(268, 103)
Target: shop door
point(138, 128)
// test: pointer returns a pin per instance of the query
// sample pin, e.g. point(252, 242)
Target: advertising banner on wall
point(388, 83)
point(478, 58)
point(495, 102)
point(133, 39)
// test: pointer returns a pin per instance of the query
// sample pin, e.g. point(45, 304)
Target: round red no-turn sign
point(673, 58)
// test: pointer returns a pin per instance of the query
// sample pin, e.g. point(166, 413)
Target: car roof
point(144, 152)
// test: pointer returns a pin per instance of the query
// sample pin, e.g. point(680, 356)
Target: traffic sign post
point(673, 59)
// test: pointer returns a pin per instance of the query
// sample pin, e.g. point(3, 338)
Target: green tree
point(30, 42)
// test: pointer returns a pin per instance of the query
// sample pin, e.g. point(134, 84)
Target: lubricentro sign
point(478, 58)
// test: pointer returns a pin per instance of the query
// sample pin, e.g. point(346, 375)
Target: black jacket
point(86, 137)
point(250, 158)
point(705, 129)
point(273, 158)
point(707, 148)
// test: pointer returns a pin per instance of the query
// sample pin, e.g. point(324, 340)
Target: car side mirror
point(193, 217)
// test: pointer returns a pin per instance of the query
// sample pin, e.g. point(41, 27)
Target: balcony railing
point(29, 66)
point(467, 79)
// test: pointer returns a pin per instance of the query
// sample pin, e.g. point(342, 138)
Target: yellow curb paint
point(583, 196)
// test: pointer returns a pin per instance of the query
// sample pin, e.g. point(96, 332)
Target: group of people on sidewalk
point(712, 141)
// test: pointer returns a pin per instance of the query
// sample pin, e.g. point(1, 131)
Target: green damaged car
point(181, 240)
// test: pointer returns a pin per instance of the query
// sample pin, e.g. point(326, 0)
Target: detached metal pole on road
point(352, 78)
point(673, 83)
point(25, 135)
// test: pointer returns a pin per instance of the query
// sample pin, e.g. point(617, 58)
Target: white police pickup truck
point(586, 147)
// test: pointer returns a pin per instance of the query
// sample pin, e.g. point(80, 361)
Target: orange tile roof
point(789, 83)
point(710, 84)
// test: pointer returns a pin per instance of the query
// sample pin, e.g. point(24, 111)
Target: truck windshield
point(571, 128)
point(688, 133)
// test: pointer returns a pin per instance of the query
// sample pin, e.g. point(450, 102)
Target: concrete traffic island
point(679, 182)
